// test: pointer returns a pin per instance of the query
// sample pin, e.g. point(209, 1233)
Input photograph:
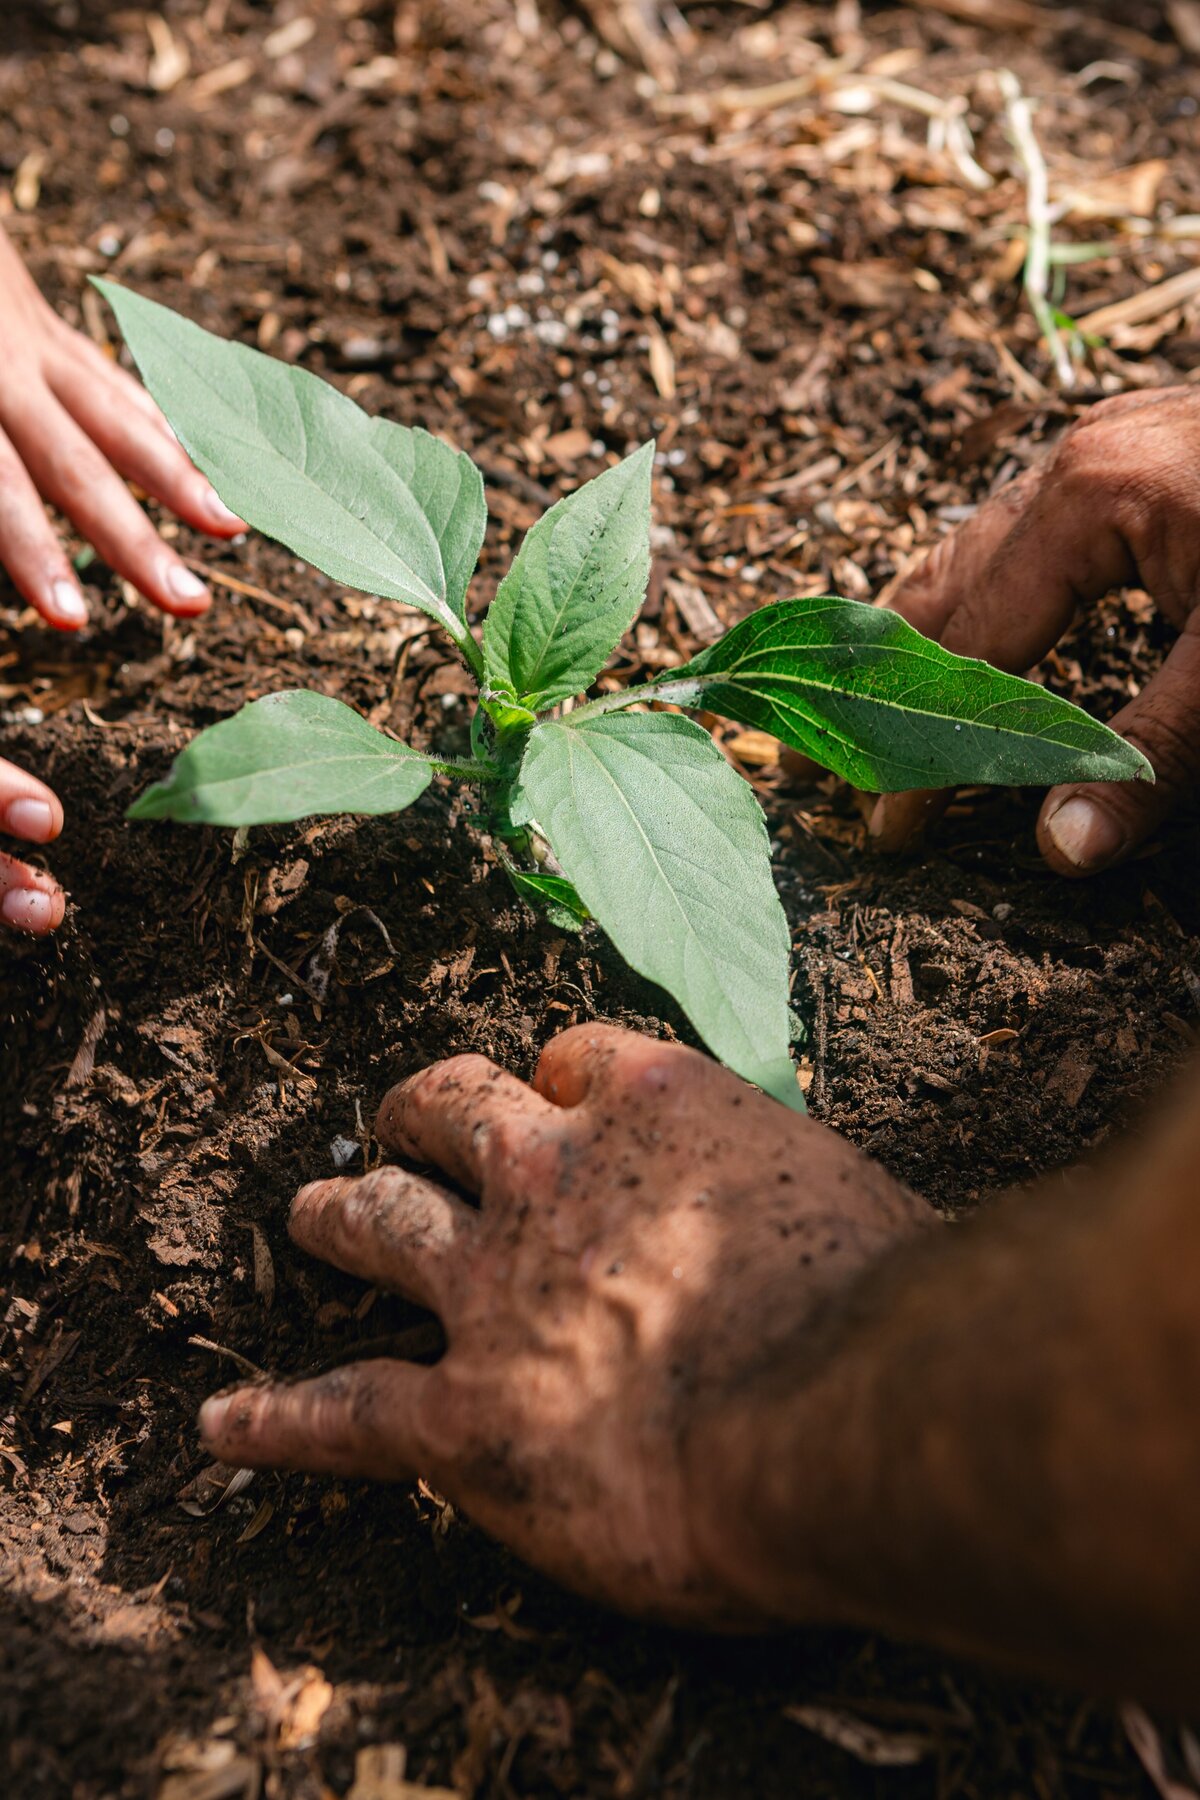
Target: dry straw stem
point(1019, 109)
point(1149, 303)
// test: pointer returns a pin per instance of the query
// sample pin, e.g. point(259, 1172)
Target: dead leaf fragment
point(662, 364)
point(864, 286)
point(757, 749)
point(27, 182)
point(566, 448)
point(1184, 18)
point(221, 80)
point(1070, 1076)
point(379, 1774)
point(1151, 1752)
point(1122, 194)
point(289, 38)
point(169, 62)
point(211, 1488)
point(264, 1267)
point(881, 1749)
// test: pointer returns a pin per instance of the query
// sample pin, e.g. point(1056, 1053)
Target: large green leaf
point(374, 504)
point(574, 587)
point(286, 757)
point(859, 690)
point(668, 850)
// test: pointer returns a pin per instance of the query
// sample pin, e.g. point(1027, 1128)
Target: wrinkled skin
point(651, 1234)
point(1115, 504)
point(71, 425)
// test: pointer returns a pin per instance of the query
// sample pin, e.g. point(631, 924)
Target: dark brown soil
point(168, 1071)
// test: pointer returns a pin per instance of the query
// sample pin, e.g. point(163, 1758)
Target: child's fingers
point(72, 473)
point(29, 900)
point(28, 808)
point(139, 443)
point(30, 551)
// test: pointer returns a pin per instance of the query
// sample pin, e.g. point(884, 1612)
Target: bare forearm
point(997, 1445)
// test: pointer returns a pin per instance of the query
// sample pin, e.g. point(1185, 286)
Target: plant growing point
point(604, 810)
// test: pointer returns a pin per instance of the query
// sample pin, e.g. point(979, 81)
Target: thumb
point(1087, 827)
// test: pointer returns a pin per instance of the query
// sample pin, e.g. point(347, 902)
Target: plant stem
point(1019, 112)
point(466, 768)
point(623, 697)
point(472, 655)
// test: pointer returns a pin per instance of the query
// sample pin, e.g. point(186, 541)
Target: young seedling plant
point(601, 808)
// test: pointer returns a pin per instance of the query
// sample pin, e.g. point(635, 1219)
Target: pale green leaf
point(859, 690)
point(551, 894)
point(668, 850)
point(375, 505)
point(286, 757)
point(574, 588)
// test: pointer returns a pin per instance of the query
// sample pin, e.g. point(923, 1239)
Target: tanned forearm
point(996, 1445)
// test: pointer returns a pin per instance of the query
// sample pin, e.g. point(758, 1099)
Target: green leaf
point(574, 587)
point(668, 850)
point(552, 895)
point(375, 505)
point(286, 757)
point(859, 690)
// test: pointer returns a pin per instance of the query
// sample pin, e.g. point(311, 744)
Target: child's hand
point(71, 425)
point(29, 900)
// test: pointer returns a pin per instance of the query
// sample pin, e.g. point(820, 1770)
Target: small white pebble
point(343, 1151)
point(498, 325)
point(1003, 910)
point(119, 125)
point(286, 999)
point(550, 260)
point(450, 701)
point(164, 139)
point(108, 243)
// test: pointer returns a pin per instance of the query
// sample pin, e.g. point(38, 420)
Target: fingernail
point(1084, 834)
point(183, 585)
point(212, 1416)
point(68, 603)
point(26, 908)
point(219, 513)
point(30, 819)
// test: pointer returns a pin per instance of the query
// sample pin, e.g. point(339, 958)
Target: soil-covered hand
point(1117, 504)
point(71, 425)
point(652, 1234)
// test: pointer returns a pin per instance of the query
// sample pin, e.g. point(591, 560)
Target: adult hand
point(1116, 504)
point(71, 425)
point(652, 1235)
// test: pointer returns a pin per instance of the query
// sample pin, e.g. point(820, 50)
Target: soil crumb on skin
point(474, 216)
